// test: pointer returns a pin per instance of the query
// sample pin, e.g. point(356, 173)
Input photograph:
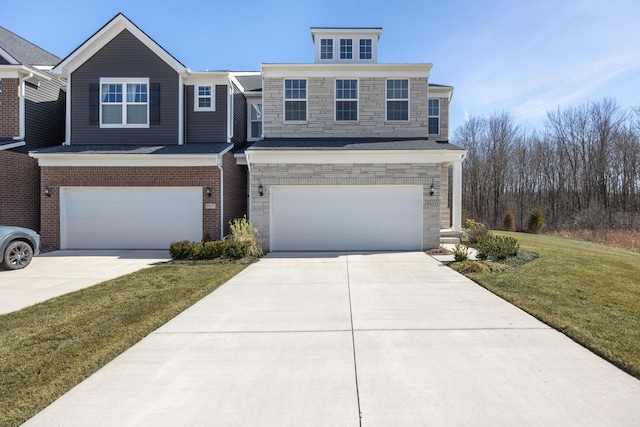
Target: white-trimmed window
point(346, 100)
point(397, 100)
point(124, 102)
point(365, 49)
point(255, 121)
point(204, 98)
point(295, 100)
point(326, 48)
point(346, 48)
point(434, 117)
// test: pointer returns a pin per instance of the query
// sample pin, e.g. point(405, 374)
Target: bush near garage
point(497, 248)
point(186, 250)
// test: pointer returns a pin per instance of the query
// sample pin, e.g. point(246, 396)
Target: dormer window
point(365, 48)
point(326, 48)
point(346, 48)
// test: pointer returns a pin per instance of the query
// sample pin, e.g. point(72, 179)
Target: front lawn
point(48, 348)
point(590, 292)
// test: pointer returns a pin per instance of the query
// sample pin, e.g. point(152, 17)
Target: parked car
point(17, 246)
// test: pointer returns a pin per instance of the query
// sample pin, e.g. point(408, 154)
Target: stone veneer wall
point(371, 111)
point(269, 174)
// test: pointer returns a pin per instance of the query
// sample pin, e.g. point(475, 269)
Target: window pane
point(111, 92)
point(256, 129)
point(326, 49)
point(397, 89)
point(111, 114)
point(295, 89)
point(204, 102)
point(346, 48)
point(136, 92)
point(204, 90)
point(398, 110)
point(346, 89)
point(137, 114)
point(256, 111)
point(365, 49)
point(346, 111)
point(295, 110)
point(434, 125)
point(434, 107)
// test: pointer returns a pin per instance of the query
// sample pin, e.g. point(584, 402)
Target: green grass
point(590, 292)
point(50, 347)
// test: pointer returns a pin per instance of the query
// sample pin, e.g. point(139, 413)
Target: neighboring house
point(355, 154)
point(32, 103)
point(148, 155)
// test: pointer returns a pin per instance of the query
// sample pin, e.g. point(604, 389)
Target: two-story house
point(32, 102)
point(148, 153)
point(355, 153)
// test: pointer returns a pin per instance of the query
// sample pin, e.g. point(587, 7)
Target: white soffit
point(347, 70)
point(362, 156)
point(64, 159)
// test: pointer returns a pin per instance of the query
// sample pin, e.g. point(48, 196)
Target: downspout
point(220, 156)
point(22, 108)
point(246, 156)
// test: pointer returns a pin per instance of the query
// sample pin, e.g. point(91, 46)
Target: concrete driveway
point(340, 339)
point(56, 273)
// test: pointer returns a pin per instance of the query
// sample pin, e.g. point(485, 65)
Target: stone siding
point(321, 111)
point(346, 174)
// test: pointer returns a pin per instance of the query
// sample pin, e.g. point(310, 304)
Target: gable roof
point(18, 51)
point(107, 33)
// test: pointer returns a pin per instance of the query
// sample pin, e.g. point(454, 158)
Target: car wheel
point(17, 255)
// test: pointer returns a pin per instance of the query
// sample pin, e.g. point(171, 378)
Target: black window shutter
point(94, 104)
point(154, 103)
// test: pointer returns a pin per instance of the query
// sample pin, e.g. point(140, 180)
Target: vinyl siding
point(44, 113)
point(125, 56)
point(206, 126)
point(239, 117)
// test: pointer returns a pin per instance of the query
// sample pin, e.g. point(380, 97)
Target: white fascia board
point(19, 71)
point(10, 59)
point(12, 145)
point(441, 92)
point(159, 160)
point(345, 32)
point(361, 156)
point(241, 159)
point(207, 77)
point(107, 33)
point(347, 70)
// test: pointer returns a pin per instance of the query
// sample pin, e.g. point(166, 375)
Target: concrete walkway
point(351, 339)
point(56, 273)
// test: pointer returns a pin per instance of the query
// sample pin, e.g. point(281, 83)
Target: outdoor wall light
point(47, 192)
point(208, 190)
point(260, 190)
point(432, 190)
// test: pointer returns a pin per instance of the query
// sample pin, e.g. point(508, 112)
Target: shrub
point(209, 250)
point(536, 221)
point(460, 253)
point(243, 231)
point(497, 248)
point(509, 221)
point(474, 231)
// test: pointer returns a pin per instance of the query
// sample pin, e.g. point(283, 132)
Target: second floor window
point(398, 100)
point(204, 98)
point(295, 100)
point(346, 49)
point(255, 121)
point(365, 49)
point(326, 49)
point(346, 100)
point(124, 104)
point(434, 116)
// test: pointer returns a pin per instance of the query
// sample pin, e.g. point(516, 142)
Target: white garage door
point(129, 217)
point(363, 217)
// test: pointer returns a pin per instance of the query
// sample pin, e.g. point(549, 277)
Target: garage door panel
point(346, 217)
point(129, 217)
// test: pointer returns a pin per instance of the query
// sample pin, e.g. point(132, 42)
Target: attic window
point(204, 96)
point(346, 48)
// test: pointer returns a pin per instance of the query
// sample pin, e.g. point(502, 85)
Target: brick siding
point(347, 174)
point(19, 192)
point(10, 108)
point(89, 176)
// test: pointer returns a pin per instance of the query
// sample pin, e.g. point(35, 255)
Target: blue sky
point(525, 57)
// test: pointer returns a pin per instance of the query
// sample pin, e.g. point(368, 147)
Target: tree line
point(582, 167)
